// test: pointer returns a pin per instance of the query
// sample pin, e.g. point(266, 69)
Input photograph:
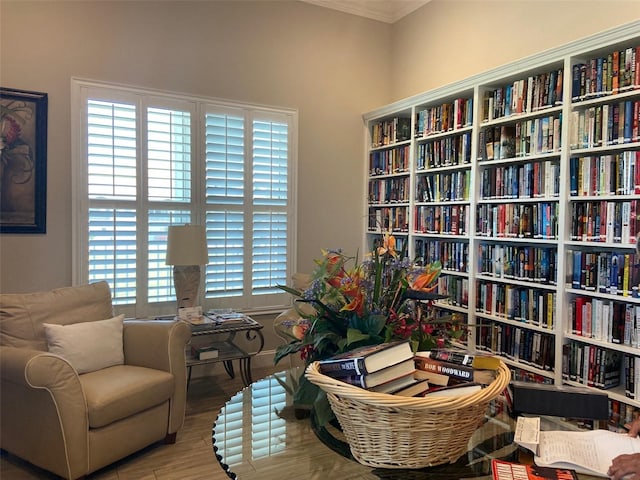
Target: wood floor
point(190, 458)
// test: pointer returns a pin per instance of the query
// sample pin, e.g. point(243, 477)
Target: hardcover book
point(367, 359)
point(460, 357)
point(559, 400)
point(387, 374)
point(394, 385)
point(204, 352)
point(503, 470)
point(417, 388)
point(464, 388)
point(454, 371)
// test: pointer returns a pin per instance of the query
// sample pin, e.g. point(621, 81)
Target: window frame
point(81, 91)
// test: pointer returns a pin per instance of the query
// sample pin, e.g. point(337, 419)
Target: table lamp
point(186, 251)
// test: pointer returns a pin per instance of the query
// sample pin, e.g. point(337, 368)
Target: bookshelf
point(524, 181)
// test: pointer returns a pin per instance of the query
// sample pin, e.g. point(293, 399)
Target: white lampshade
point(187, 245)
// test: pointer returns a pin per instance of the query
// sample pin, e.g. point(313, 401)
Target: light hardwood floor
point(190, 458)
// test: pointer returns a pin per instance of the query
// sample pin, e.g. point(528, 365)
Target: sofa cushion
point(118, 392)
point(88, 346)
point(22, 314)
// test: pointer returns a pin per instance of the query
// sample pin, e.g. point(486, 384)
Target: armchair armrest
point(45, 389)
point(37, 369)
point(156, 344)
point(161, 345)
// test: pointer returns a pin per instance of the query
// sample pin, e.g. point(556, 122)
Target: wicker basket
point(391, 431)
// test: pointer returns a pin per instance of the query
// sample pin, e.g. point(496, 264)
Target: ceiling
point(389, 11)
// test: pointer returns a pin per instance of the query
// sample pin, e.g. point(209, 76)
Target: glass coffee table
point(258, 435)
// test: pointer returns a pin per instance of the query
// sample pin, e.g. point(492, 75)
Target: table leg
point(245, 370)
point(228, 366)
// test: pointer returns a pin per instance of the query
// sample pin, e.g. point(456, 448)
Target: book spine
point(458, 358)
point(357, 380)
point(458, 372)
point(343, 368)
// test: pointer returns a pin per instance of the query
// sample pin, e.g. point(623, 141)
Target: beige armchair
point(63, 411)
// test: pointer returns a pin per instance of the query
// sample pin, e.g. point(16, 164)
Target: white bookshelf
point(476, 246)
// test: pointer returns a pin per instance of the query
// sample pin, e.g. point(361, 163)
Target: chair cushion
point(88, 346)
point(118, 392)
point(22, 314)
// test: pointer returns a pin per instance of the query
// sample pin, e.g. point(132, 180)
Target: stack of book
point(393, 368)
point(383, 368)
point(455, 372)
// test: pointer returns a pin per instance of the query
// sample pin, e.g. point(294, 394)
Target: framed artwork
point(23, 161)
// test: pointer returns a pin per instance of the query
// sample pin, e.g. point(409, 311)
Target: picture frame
point(23, 161)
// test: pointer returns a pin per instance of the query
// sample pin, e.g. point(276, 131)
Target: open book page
point(528, 433)
point(589, 452)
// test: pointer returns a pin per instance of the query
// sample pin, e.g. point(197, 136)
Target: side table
point(228, 350)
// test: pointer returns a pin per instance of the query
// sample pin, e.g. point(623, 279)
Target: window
point(144, 160)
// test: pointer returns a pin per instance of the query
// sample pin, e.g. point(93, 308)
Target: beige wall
point(329, 65)
point(450, 40)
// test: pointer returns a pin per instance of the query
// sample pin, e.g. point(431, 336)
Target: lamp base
point(186, 280)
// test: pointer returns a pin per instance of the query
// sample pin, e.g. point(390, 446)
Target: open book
point(590, 452)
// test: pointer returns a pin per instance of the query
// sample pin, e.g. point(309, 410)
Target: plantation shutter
point(225, 177)
point(143, 161)
point(117, 215)
point(112, 155)
point(270, 199)
point(247, 197)
point(169, 189)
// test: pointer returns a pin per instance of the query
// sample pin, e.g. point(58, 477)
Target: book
point(413, 390)
point(204, 352)
point(226, 317)
point(503, 470)
point(366, 359)
point(559, 400)
point(461, 357)
point(394, 384)
point(432, 377)
point(454, 371)
point(589, 452)
point(387, 374)
point(464, 388)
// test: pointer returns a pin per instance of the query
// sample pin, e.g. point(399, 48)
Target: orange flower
point(356, 304)
point(299, 329)
point(423, 281)
point(388, 245)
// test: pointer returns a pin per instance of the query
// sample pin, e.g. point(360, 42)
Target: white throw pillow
point(88, 346)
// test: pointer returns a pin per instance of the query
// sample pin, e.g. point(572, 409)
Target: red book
point(637, 66)
point(502, 470)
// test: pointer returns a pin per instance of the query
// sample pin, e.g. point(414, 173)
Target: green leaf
point(354, 335)
point(306, 393)
point(322, 409)
point(292, 291)
point(371, 325)
point(284, 350)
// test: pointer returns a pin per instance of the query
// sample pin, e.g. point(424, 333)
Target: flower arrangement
point(385, 297)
